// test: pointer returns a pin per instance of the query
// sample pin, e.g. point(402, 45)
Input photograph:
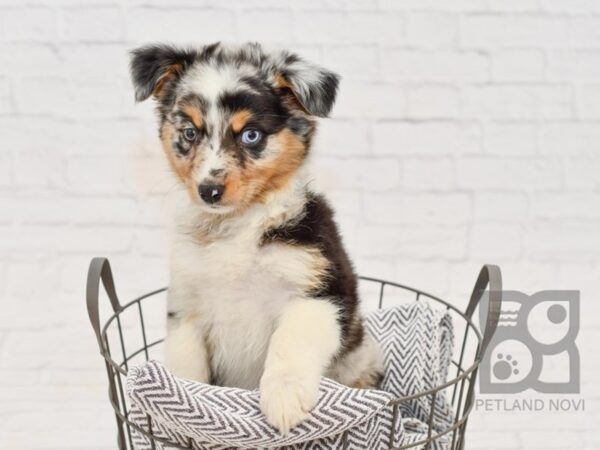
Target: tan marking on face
point(240, 119)
point(195, 114)
point(276, 174)
point(251, 184)
point(236, 184)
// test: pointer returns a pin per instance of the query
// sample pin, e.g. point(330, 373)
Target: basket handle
point(491, 276)
point(100, 271)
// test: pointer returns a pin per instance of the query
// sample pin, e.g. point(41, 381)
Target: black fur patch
point(149, 65)
point(269, 114)
point(316, 228)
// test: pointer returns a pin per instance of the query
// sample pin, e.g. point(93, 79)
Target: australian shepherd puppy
point(262, 293)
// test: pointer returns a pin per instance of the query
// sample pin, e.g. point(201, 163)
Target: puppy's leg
point(305, 340)
point(186, 354)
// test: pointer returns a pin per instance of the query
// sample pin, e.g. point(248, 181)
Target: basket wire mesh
point(115, 332)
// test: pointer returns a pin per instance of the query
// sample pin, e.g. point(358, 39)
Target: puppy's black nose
point(211, 193)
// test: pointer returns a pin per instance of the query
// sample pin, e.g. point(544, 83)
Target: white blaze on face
point(213, 161)
point(210, 83)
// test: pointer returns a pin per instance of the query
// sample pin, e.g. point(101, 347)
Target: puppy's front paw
point(286, 399)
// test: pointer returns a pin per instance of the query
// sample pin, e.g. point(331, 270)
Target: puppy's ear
point(313, 87)
point(153, 67)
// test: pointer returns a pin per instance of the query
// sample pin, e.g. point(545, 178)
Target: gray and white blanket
point(417, 341)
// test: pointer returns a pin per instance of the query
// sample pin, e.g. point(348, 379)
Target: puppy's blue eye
point(190, 134)
point(251, 136)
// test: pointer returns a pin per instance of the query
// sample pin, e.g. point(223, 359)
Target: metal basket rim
point(464, 373)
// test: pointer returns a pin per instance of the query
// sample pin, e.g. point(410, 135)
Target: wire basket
point(125, 338)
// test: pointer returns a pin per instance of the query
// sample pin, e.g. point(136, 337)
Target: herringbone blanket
point(417, 341)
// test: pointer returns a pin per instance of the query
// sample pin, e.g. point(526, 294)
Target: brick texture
point(466, 131)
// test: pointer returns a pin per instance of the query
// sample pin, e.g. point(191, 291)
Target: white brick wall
point(466, 131)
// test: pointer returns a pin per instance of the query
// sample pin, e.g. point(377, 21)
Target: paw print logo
point(534, 344)
point(505, 367)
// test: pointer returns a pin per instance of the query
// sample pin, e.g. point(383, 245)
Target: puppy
point(262, 293)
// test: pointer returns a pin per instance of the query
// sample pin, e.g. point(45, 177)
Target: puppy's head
point(236, 123)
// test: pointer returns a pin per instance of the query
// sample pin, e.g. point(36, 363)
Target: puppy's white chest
point(239, 320)
point(236, 290)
